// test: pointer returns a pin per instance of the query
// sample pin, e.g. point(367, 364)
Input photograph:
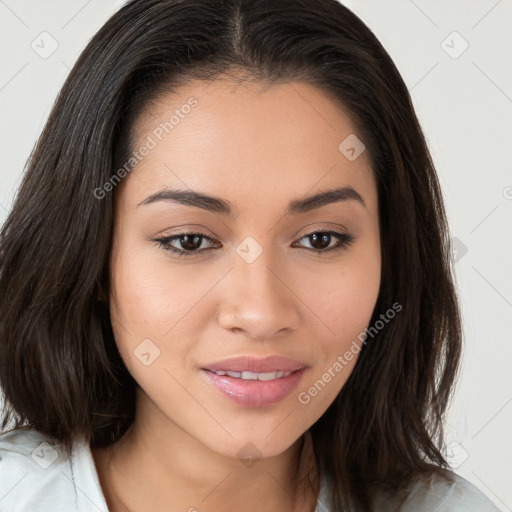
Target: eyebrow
point(221, 206)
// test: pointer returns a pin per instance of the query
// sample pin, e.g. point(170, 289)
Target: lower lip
point(255, 393)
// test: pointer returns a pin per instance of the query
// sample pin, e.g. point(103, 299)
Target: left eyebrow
point(324, 198)
point(221, 206)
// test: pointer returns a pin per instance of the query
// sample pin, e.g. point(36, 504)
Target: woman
point(225, 281)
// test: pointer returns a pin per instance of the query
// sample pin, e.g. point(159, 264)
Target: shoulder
point(437, 493)
point(35, 473)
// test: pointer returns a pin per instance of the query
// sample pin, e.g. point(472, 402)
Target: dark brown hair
point(60, 370)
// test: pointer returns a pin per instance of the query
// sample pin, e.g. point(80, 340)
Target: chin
point(249, 447)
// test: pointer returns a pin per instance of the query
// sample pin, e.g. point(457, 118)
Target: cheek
point(139, 306)
point(138, 299)
point(158, 300)
point(151, 293)
point(344, 296)
point(343, 299)
point(143, 313)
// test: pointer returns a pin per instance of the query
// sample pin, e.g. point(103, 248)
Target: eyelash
point(344, 240)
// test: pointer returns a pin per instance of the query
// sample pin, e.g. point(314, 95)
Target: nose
point(259, 300)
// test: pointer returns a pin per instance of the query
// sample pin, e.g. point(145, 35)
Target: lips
point(247, 375)
point(252, 364)
point(255, 382)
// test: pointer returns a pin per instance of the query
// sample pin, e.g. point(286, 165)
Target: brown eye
point(321, 241)
point(189, 244)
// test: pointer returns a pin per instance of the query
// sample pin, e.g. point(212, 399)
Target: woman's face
point(255, 282)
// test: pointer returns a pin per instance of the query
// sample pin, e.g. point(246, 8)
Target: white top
point(36, 476)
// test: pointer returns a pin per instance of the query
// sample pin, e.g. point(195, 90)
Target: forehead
point(246, 140)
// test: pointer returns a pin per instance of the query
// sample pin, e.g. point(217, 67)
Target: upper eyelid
point(338, 228)
point(175, 236)
point(344, 239)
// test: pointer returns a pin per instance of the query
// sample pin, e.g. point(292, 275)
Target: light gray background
point(464, 102)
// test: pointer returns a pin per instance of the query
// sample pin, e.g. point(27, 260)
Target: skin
point(259, 148)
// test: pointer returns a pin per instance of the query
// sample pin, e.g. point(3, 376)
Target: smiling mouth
point(247, 375)
point(254, 389)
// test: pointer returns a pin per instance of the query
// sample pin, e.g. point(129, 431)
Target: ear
point(100, 294)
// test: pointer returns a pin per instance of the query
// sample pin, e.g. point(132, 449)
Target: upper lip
point(255, 364)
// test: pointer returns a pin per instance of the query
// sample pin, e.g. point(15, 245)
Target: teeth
point(247, 375)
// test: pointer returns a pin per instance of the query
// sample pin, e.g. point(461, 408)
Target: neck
point(154, 469)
